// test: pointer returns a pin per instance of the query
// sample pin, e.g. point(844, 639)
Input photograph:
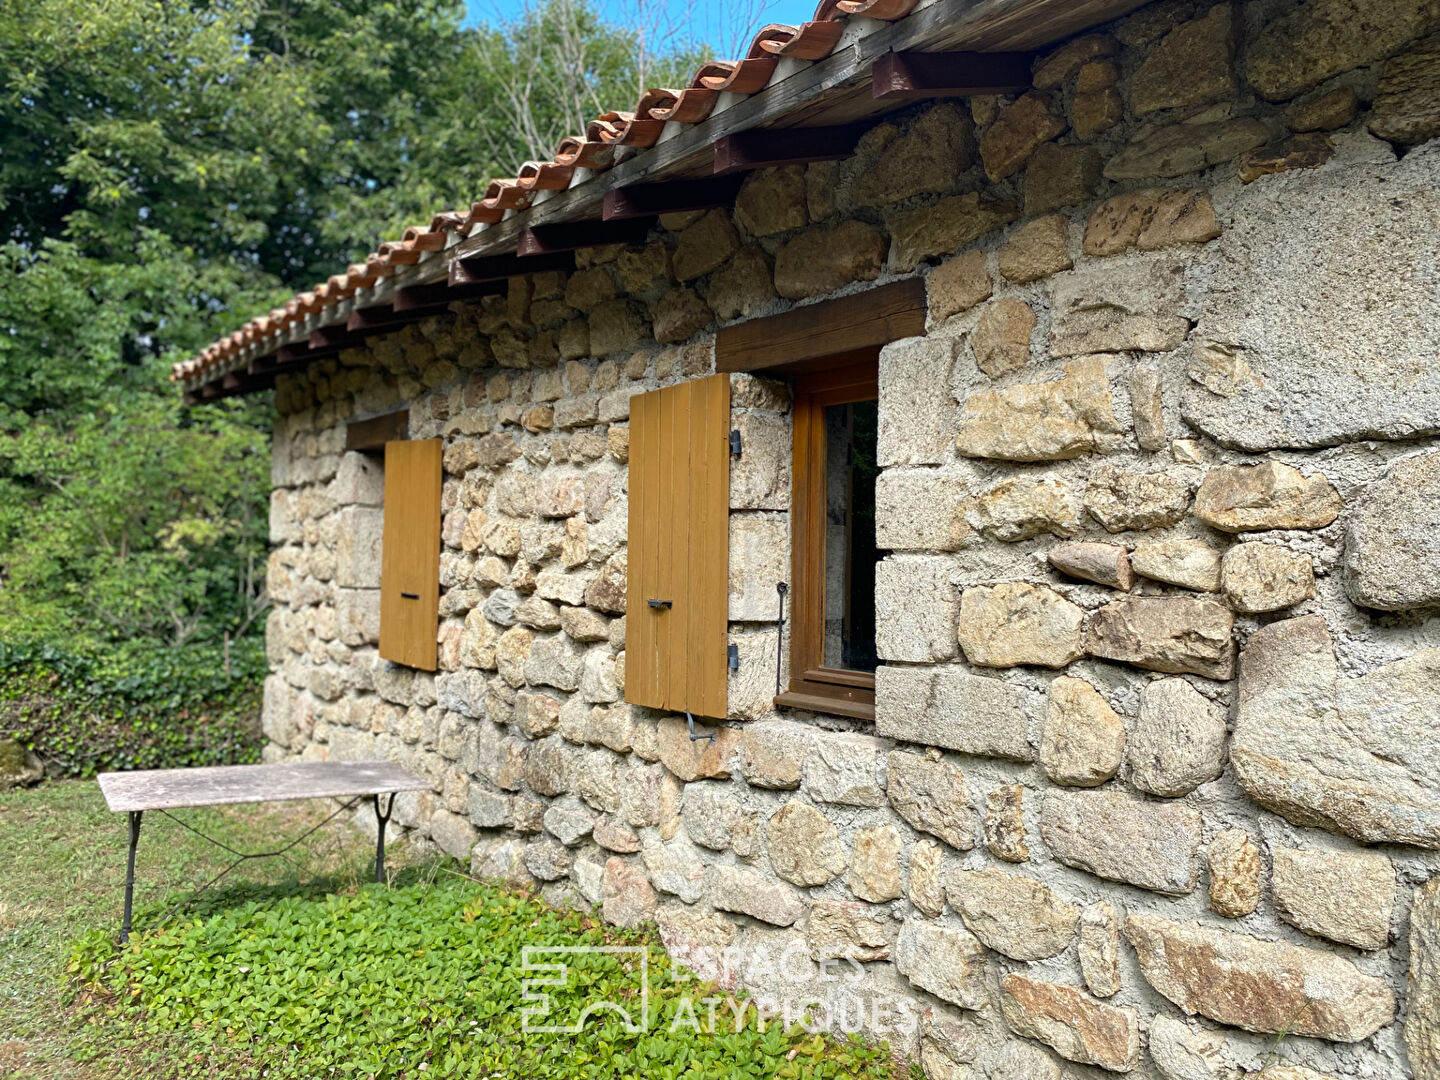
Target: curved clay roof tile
point(688, 106)
point(877, 9)
point(811, 41)
point(544, 176)
point(581, 153)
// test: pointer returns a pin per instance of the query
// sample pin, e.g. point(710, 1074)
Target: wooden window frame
point(814, 686)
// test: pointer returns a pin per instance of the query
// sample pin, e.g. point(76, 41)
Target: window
point(832, 552)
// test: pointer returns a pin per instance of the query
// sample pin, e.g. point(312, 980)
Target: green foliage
point(426, 979)
point(171, 167)
point(133, 707)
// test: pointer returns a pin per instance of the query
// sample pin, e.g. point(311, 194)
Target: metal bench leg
point(381, 820)
point(135, 816)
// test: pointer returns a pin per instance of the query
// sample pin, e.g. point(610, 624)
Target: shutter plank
point(410, 554)
point(710, 566)
point(675, 574)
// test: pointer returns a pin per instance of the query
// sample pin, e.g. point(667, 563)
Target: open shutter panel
point(675, 656)
point(410, 554)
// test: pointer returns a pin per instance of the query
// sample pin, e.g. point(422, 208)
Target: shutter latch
point(694, 736)
point(661, 603)
point(732, 657)
point(735, 442)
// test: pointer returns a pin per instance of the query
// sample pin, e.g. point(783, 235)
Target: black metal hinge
point(732, 657)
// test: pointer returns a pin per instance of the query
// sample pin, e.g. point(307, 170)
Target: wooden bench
point(164, 790)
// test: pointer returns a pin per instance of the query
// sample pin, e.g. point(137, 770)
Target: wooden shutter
point(410, 554)
point(675, 656)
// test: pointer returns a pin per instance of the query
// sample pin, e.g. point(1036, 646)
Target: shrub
point(132, 706)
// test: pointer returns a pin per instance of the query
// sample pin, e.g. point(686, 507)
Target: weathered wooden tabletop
point(169, 789)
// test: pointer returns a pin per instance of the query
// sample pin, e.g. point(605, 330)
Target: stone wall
point(1155, 775)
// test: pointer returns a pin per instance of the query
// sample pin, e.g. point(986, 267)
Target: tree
point(169, 168)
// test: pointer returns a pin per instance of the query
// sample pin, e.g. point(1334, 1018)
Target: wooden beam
point(385, 317)
point(334, 336)
point(548, 239)
point(647, 200)
point(497, 268)
point(829, 328)
point(750, 150)
point(905, 76)
point(411, 297)
point(373, 434)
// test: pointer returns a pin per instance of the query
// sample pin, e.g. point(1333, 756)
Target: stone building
point(1076, 366)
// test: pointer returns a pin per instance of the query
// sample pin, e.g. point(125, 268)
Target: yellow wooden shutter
point(410, 554)
point(675, 656)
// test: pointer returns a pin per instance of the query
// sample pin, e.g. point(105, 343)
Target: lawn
point(305, 970)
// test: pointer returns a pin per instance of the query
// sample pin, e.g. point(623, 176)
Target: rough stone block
point(844, 929)
point(1174, 634)
point(947, 706)
point(1350, 755)
point(1304, 362)
point(1234, 862)
point(1392, 560)
point(1179, 739)
point(1014, 915)
point(760, 476)
point(919, 510)
point(1041, 421)
point(1001, 338)
point(946, 961)
point(820, 261)
point(1256, 985)
point(1017, 623)
point(1122, 500)
point(1119, 307)
point(932, 797)
point(357, 550)
point(745, 892)
point(1036, 250)
point(917, 408)
point(1346, 896)
point(941, 228)
point(1073, 1025)
point(1083, 741)
point(1121, 837)
point(958, 284)
point(875, 864)
point(915, 609)
point(759, 557)
point(1258, 577)
point(844, 769)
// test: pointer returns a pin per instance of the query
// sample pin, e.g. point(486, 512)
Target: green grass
point(310, 973)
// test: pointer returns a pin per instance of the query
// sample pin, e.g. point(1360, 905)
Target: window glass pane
point(850, 472)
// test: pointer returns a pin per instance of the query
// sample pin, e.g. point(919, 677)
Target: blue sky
point(716, 23)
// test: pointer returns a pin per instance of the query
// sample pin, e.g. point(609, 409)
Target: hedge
point(132, 706)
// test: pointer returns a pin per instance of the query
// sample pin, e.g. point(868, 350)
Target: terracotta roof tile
point(594, 150)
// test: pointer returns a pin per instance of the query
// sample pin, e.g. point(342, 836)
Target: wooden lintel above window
point(831, 331)
point(370, 436)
